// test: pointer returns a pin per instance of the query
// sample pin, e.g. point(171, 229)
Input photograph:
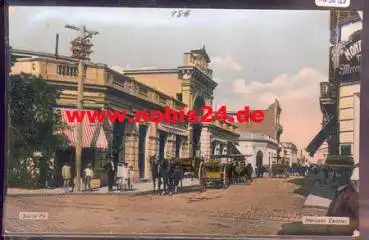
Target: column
point(188, 147)
point(131, 147)
point(151, 148)
point(205, 141)
point(148, 151)
point(185, 150)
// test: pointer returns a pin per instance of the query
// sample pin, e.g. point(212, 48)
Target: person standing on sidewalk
point(120, 179)
point(67, 176)
point(110, 170)
point(89, 174)
point(125, 176)
point(130, 178)
point(202, 177)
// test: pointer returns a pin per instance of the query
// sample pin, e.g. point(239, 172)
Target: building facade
point(261, 141)
point(193, 85)
point(187, 87)
point(349, 116)
point(289, 153)
point(340, 96)
point(260, 148)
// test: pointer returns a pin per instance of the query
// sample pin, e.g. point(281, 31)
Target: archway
point(259, 158)
point(196, 127)
point(259, 163)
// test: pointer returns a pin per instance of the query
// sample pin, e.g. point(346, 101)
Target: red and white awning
point(93, 134)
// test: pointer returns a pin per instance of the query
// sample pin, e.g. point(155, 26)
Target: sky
point(257, 55)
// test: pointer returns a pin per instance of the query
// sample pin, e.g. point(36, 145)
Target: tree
point(33, 122)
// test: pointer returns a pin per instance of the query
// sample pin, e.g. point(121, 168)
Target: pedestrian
point(88, 174)
point(126, 177)
point(120, 176)
point(110, 170)
point(130, 178)
point(202, 177)
point(319, 177)
point(67, 176)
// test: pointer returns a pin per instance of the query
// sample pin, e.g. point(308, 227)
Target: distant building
point(289, 153)
point(261, 148)
point(261, 140)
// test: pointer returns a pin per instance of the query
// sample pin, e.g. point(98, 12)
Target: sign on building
point(346, 59)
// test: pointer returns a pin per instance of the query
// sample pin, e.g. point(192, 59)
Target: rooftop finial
point(203, 47)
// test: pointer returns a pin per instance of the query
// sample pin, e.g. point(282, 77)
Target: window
point(179, 96)
point(346, 149)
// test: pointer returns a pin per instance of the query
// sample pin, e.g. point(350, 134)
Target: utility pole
point(81, 49)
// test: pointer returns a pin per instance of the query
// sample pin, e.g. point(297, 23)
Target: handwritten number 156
point(180, 13)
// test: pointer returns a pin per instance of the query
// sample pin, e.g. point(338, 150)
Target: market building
point(340, 96)
point(189, 86)
point(261, 141)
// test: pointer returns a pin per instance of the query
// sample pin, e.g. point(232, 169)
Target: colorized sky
point(257, 55)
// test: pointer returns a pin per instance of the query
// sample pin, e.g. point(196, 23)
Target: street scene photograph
point(93, 147)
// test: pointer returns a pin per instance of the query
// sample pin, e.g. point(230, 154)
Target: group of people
point(69, 181)
point(324, 175)
point(120, 175)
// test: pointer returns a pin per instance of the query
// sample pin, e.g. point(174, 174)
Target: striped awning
point(93, 134)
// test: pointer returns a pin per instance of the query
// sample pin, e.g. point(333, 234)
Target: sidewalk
point(320, 196)
point(138, 188)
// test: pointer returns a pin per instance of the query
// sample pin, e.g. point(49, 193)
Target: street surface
point(257, 209)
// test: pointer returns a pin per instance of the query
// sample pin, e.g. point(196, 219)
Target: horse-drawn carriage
point(220, 171)
point(214, 170)
point(214, 173)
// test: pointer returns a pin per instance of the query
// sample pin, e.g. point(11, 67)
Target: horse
point(238, 173)
point(174, 176)
point(159, 172)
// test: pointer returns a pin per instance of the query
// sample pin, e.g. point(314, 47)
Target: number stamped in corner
point(333, 3)
point(33, 215)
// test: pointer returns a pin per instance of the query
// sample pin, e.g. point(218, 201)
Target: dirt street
point(257, 209)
